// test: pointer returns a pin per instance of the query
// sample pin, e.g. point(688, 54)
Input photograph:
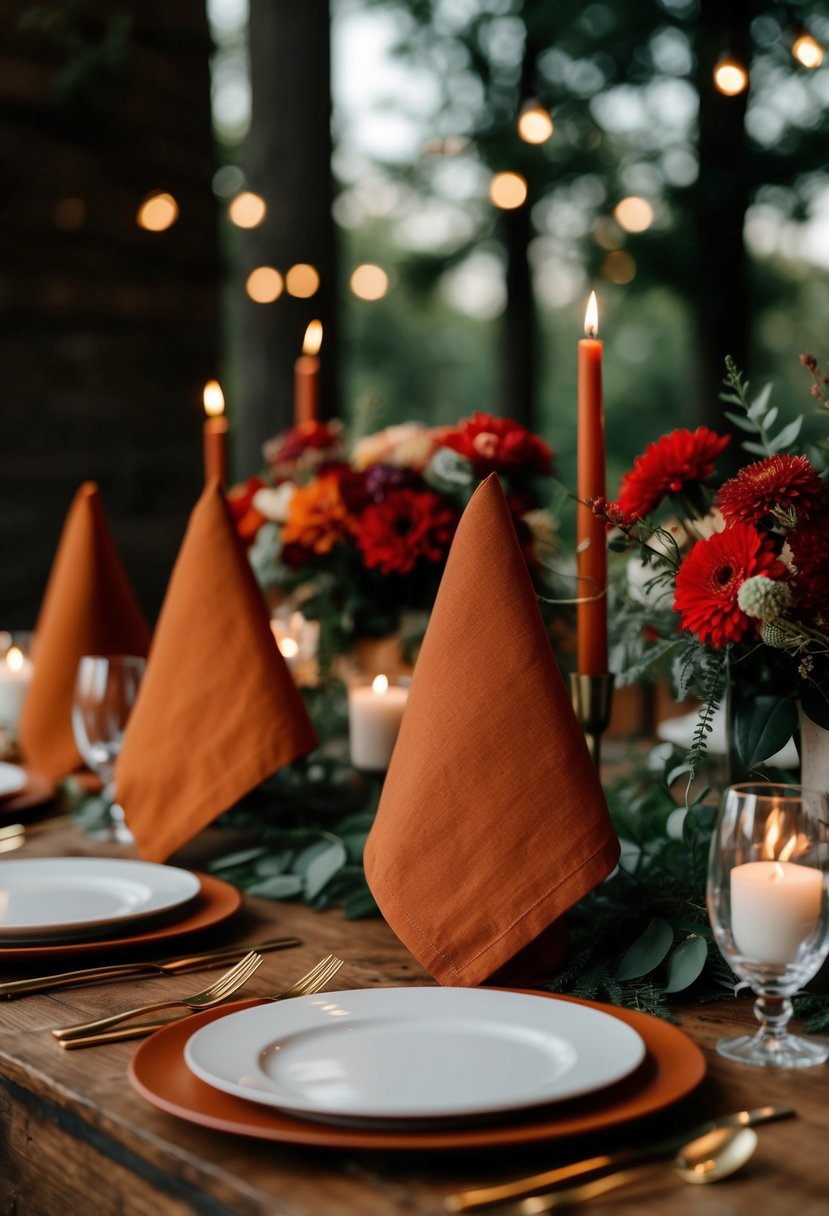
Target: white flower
point(274, 504)
point(408, 446)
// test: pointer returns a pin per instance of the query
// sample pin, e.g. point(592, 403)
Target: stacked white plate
point(64, 899)
point(408, 1057)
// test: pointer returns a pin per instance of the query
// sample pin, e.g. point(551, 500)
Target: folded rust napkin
point(492, 822)
point(217, 711)
point(89, 608)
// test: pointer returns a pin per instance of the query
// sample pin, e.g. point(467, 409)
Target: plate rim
point(247, 1036)
point(45, 933)
point(158, 1073)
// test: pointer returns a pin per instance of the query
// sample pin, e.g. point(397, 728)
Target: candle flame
point(313, 338)
point(380, 684)
point(288, 647)
point(788, 849)
point(772, 836)
point(214, 399)
point(591, 317)
point(14, 659)
point(777, 873)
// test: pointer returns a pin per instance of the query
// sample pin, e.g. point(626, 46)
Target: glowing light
point(807, 51)
point(380, 684)
point(634, 214)
point(730, 77)
point(14, 659)
point(369, 282)
point(619, 267)
point(312, 341)
point(214, 399)
point(69, 214)
point(264, 285)
point(288, 647)
point(247, 210)
point(535, 126)
point(508, 191)
point(158, 212)
point(302, 281)
point(591, 317)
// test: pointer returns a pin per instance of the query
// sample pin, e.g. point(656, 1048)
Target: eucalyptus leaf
point(323, 867)
point(686, 964)
point(760, 402)
point(739, 421)
point(762, 726)
point(281, 886)
point(787, 436)
point(241, 858)
point(647, 952)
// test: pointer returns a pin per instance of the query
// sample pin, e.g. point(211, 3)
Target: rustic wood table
point(75, 1137)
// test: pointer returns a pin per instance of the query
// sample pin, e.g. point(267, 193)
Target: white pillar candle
point(775, 906)
point(15, 678)
point(375, 712)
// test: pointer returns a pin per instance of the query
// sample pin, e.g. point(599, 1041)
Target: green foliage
point(758, 417)
point(762, 726)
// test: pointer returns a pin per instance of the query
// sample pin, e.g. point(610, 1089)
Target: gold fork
point(223, 987)
point(314, 981)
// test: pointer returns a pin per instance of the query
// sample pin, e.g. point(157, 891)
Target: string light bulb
point(807, 51)
point(508, 191)
point(535, 126)
point(158, 212)
point(730, 77)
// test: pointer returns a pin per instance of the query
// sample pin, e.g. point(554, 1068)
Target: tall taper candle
point(215, 433)
point(307, 376)
point(590, 531)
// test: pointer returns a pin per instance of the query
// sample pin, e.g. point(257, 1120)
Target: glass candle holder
point(375, 712)
point(767, 902)
point(16, 670)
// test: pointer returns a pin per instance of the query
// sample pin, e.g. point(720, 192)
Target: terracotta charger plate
point(673, 1067)
point(37, 791)
point(216, 901)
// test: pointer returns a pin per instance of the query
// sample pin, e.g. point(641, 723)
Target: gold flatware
point(314, 981)
point(709, 1158)
point(488, 1196)
point(179, 965)
point(216, 992)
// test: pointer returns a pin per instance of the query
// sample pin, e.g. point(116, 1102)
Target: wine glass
point(106, 687)
point(767, 902)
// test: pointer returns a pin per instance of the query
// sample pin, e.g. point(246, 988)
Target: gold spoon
point(706, 1159)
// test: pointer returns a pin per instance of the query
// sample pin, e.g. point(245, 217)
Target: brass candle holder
point(592, 698)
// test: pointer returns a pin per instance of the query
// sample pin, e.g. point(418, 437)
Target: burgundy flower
point(779, 482)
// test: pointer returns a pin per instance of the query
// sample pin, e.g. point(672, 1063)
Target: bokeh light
point(807, 51)
point(619, 267)
point(213, 398)
point(730, 77)
point(264, 285)
point(535, 126)
point(158, 212)
point(508, 191)
point(633, 213)
point(247, 210)
point(369, 282)
point(302, 281)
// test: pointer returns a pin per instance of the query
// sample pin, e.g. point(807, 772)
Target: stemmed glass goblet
point(768, 906)
point(106, 687)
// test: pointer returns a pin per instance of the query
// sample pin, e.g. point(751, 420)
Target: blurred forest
point(444, 206)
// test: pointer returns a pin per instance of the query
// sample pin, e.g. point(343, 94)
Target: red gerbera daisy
point(711, 576)
point(779, 483)
point(407, 526)
point(809, 545)
point(669, 466)
point(495, 445)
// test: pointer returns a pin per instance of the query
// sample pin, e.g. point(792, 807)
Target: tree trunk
point(289, 164)
point(518, 369)
point(108, 332)
point(719, 203)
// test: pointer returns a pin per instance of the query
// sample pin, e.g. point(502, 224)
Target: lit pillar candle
point(215, 433)
point(775, 906)
point(590, 531)
point(15, 677)
point(307, 376)
point(375, 712)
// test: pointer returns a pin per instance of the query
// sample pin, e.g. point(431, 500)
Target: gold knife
point(179, 965)
point(484, 1197)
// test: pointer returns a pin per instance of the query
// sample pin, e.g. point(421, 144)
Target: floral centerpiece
point(733, 595)
point(358, 537)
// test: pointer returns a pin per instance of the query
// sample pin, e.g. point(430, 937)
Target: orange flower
point(318, 518)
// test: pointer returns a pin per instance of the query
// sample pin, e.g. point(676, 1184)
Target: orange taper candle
point(307, 376)
point(215, 433)
point(590, 531)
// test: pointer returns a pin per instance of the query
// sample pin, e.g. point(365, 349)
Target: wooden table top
point(76, 1137)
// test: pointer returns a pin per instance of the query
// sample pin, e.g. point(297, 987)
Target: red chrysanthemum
point(669, 466)
point(247, 519)
point(809, 547)
point(406, 527)
point(776, 483)
point(499, 445)
point(711, 576)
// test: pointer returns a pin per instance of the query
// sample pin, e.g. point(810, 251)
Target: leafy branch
point(758, 417)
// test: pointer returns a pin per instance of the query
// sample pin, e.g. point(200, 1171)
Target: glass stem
point(773, 1014)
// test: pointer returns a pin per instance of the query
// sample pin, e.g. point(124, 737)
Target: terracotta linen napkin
point(88, 608)
point(217, 711)
point(492, 822)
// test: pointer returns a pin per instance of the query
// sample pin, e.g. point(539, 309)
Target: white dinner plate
point(12, 779)
point(409, 1054)
point(59, 898)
